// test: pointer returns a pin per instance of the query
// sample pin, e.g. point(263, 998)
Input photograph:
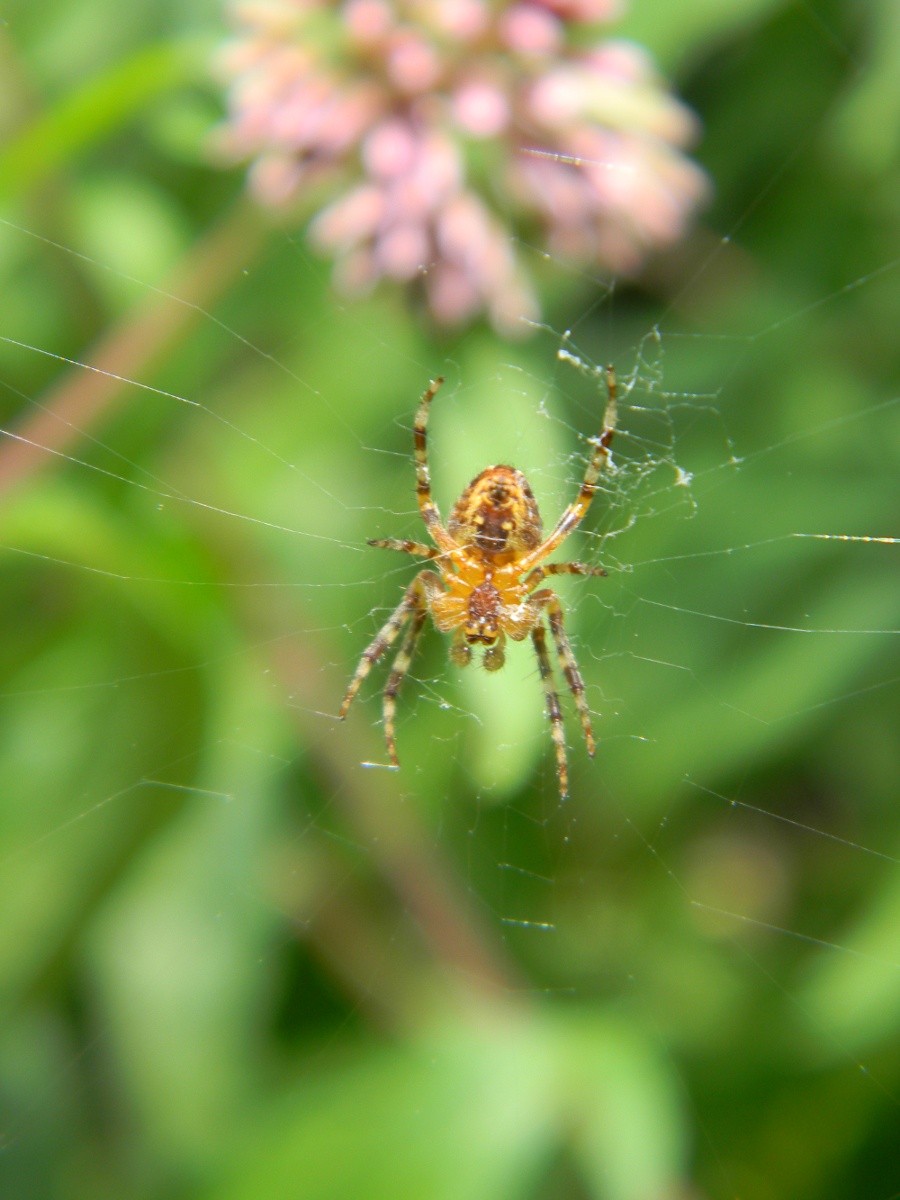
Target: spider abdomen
point(497, 515)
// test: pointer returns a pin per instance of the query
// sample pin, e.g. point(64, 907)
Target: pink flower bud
point(624, 61)
point(369, 21)
point(274, 179)
point(481, 109)
point(452, 295)
point(356, 217)
point(384, 99)
point(586, 12)
point(531, 29)
point(390, 150)
point(413, 65)
point(403, 252)
point(464, 20)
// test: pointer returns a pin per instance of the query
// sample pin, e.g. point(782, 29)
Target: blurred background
point(235, 960)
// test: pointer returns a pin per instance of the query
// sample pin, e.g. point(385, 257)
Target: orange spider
point(490, 560)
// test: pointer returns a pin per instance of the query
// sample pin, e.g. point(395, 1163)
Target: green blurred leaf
point(853, 995)
point(172, 946)
point(459, 1116)
point(866, 127)
point(476, 1110)
point(760, 696)
point(629, 1136)
point(671, 28)
point(81, 119)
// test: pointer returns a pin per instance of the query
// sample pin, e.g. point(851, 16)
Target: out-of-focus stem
point(84, 398)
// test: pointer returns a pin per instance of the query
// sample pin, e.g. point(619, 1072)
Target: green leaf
point(476, 1111)
point(173, 947)
point(671, 28)
point(854, 996)
point(462, 1115)
point(82, 118)
point(629, 1134)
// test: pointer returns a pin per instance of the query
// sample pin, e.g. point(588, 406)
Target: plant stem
point(85, 397)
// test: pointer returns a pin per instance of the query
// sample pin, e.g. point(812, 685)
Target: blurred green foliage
point(234, 962)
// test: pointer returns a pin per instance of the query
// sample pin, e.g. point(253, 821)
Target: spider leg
point(568, 663)
point(415, 599)
point(554, 715)
point(427, 507)
point(418, 549)
point(574, 514)
point(396, 677)
point(534, 577)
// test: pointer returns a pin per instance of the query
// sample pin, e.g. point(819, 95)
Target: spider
point(490, 558)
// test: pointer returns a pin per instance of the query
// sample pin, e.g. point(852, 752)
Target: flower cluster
point(426, 128)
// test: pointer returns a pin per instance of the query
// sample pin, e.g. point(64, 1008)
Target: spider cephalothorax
point(490, 558)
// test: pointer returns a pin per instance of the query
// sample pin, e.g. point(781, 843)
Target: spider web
point(190, 593)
